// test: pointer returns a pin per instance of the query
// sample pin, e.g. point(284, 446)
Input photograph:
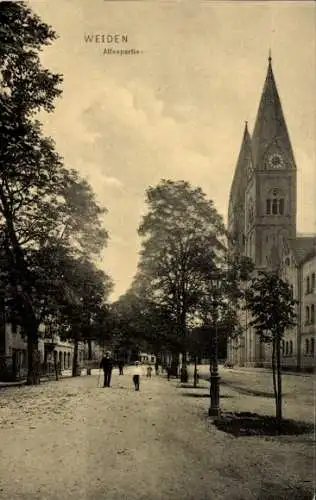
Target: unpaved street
point(298, 390)
point(71, 440)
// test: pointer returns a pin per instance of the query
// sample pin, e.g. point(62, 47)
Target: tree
point(83, 311)
point(270, 300)
point(42, 204)
point(221, 303)
point(183, 239)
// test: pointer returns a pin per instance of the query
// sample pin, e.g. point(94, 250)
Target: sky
point(176, 108)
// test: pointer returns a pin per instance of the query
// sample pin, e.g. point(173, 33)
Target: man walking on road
point(107, 366)
point(120, 365)
point(156, 367)
point(137, 372)
point(149, 370)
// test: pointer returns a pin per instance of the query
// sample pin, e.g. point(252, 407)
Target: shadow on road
point(194, 395)
point(248, 392)
point(243, 390)
point(190, 386)
point(273, 491)
point(252, 424)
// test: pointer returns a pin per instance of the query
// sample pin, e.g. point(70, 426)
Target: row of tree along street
point(51, 224)
point(187, 284)
point(189, 290)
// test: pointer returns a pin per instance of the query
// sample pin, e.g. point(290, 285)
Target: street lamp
point(214, 410)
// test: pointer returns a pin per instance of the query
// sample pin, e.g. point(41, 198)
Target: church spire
point(244, 158)
point(270, 127)
point(245, 151)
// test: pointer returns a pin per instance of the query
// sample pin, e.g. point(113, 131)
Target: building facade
point(298, 268)
point(13, 351)
point(262, 220)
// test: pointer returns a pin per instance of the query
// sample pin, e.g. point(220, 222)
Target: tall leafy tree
point(182, 240)
point(83, 309)
point(270, 300)
point(42, 203)
point(149, 323)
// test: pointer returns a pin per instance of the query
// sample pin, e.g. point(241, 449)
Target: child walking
point(137, 372)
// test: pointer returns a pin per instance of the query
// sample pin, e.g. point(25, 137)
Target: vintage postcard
point(157, 249)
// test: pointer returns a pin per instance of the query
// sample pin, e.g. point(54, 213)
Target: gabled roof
point(303, 247)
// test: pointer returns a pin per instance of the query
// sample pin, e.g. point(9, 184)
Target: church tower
point(270, 194)
point(262, 205)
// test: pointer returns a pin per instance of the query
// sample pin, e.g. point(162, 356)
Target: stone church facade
point(262, 213)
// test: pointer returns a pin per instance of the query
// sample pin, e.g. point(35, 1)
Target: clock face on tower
point(275, 161)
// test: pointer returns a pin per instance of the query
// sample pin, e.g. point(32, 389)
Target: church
point(262, 223)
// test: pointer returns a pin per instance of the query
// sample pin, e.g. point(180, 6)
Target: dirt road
point(71, 440)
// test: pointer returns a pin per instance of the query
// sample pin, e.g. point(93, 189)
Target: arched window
point(60, 360)
point(275, 203)
point(291, 347)
point(306, 315)
point(268, 207)
point(275, 206)
point(283, 346)
point(307, 285)
point(250, 211)
point(312, 345)
point(65, 360)
point(281, 206)
point(306, 346)
point(286, 348)
point(313, 283)
point(68, 364)
point(312, 314)
point(287, 261)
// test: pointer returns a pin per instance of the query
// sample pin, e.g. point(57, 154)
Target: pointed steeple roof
point(244, 157)
point(245, 153)
point(237, 193)
point(270, 127)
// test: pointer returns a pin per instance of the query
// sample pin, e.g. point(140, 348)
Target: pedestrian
point(149, 370)
point(107, 366)
point(137, 372)
point(120, 366)
point(157, 367)
point(168, 371)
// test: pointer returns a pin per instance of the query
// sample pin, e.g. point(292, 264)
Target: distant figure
point(120, 365)
point(149, 370)
point(107, 366)
point(137, 372)
point(168, 371)
point(156, 368)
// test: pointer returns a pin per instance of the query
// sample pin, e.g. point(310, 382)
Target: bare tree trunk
point(89, 356)
point(75, 360)
point(195, 378)
point(279, 382)
point(33, 372)
point(184, 377)
point(33, 356)
point(56, 365)
point(275, 390)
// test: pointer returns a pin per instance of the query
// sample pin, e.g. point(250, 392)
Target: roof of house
point(303, 247)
